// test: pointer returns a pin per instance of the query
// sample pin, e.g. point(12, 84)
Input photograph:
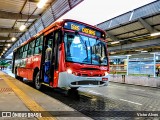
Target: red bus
point(66, 54)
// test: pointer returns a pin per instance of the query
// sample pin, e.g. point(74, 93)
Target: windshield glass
point(84, 49)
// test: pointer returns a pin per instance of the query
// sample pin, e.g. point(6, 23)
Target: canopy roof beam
point(4, 38)
point(147, 26)
point(4, 43)
point(10, 30)
point(15, 16)
point(112, 36)
point(137, 45)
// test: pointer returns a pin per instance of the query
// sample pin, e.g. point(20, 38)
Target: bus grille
point(87, 82)
point(89, 75)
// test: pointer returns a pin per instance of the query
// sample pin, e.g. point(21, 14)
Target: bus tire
point(37, 82)
point(73, 93)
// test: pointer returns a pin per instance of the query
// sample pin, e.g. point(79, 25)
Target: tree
point(3, 63)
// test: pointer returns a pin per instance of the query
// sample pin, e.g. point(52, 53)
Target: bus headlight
point(106, 73)
point(69, 71)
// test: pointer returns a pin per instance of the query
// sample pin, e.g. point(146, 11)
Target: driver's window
point(68, 41)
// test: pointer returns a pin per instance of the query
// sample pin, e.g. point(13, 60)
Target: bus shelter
point(143, 64)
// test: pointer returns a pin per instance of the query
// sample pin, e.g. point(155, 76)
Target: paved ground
point(115, 98)
point(18, 99)
point(123, 97)
point(138, 97)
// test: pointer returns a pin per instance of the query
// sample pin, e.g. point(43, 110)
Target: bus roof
point(58, 24)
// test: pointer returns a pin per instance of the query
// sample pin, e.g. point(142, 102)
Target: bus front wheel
point(73, 93)
point(37, 82)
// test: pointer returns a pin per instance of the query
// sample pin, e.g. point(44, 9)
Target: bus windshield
point(84, 49)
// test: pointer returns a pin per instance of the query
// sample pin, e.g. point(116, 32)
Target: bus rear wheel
point(37, 82)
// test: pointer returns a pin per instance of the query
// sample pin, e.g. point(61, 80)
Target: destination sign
point(83, 28)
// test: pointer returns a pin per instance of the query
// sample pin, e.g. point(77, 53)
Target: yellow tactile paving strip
point(31, 104)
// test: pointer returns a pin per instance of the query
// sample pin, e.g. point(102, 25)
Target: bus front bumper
point(86, 83)
point(70, 80)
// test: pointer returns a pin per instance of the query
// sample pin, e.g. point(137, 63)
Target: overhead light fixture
point(129, 55)
point(5, 49)
point(154, 53)
point(112, 52)
point(115, 42)
point(139, 50)
point(41, 3)
point(13, 38)
point(155, 34)
point(144, 51)
point(9, 45)
point(22, 27)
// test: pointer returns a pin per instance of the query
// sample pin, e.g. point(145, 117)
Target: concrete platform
point(136, 80)
point(20, 101)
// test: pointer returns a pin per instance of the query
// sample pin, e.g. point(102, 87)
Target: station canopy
point(132, 32)
point(15, 13)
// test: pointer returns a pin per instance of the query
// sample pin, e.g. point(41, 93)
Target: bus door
point(51, 56)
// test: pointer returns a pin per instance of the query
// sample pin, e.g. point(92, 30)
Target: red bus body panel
point(31, 63)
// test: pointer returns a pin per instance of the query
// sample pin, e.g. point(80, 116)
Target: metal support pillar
point(127, 63)
point(154, 64)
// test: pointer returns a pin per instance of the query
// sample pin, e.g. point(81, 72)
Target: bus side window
point(21, 53)
point(38, 48)
point(17, 55)
point(25, 51)
point(31, 48)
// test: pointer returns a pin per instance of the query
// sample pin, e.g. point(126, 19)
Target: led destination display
point(83, 28)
